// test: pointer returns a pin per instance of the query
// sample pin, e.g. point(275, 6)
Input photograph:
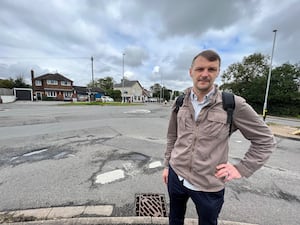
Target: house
point(53, 86)
point(131, 91)
point(87, 93)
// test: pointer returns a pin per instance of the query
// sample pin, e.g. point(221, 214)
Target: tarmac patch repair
point(114, 175)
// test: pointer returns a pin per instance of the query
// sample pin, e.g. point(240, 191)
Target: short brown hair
point(210, 55)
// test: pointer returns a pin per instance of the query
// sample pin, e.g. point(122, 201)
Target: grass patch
point(101, 104)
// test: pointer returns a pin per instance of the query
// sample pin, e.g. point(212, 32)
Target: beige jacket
point(195, 148)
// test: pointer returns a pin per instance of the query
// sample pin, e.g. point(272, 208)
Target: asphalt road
point(53, 155)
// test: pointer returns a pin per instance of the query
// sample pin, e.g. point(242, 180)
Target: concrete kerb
point(295, 138)
point(117, 221)
point(86, 215)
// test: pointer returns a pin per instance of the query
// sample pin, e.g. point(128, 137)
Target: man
point(196, 158)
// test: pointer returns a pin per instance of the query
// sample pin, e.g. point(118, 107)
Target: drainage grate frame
point(150, 204)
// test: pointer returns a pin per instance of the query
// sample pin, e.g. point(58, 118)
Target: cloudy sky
point(158, 37)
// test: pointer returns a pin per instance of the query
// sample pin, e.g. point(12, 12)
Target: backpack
point(228, 106)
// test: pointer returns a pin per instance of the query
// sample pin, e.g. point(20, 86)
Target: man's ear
point(190, 71)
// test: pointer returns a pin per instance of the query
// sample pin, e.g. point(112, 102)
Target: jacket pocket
point(216, 124)
point(184, 120)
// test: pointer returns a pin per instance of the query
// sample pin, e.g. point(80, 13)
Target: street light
point(269, 78)
point(123, 97)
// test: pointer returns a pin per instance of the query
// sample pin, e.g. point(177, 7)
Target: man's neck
point(201, 94)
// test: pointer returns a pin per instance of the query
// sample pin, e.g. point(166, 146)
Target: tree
point(156, 88)
point(20, 83)
point(285, 83)
point(249, 78)
point(284, 96)
point(11, 83)
point(7, 83)
point(115, 94)
point(106, 83)
point(239, 76)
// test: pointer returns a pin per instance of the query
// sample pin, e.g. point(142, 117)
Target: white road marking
point(154, 164)
point(109, 177)
point(139, 111)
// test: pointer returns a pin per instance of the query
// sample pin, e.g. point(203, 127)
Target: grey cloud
point(134, 56)
point(151, 33)
point(196, 17)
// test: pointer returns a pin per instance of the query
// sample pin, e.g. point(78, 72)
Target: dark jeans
point(208, 204)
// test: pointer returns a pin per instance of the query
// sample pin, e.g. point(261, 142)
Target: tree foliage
point(19, 82)
point(156, 89)
point(7, 83)
point(106, 83)
point(115, 94)
point(249, 80)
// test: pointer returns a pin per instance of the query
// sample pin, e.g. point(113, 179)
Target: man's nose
point(205, 72)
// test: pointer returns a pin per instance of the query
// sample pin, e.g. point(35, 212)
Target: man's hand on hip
point(227, 172)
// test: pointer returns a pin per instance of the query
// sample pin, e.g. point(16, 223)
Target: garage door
point(23, 94)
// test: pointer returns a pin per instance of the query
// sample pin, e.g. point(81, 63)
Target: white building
point(132, 91)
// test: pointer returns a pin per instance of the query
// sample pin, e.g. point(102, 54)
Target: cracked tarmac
point(56, 164)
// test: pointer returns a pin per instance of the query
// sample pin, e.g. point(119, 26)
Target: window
point(52, 82)
point(65, 83)
point(38, 82)
point(51, 93)
point(67, 94)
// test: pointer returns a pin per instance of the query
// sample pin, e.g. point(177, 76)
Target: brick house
point(55, 86)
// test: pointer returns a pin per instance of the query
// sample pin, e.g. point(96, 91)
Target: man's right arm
point(171, 138)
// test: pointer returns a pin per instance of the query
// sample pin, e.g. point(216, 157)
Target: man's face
point(204, 73)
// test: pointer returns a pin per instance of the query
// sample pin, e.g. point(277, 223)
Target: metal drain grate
point(150, 205)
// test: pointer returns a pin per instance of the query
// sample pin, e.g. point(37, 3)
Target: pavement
point(103, 214)
point(285, 131)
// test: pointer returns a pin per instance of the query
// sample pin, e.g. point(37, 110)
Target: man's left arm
point(254, 129)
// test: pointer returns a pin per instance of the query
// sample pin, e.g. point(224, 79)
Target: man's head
point(205, 68)
point(210, 55)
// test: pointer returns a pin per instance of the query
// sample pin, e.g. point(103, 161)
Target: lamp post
point(269, 78)
point(123, 80)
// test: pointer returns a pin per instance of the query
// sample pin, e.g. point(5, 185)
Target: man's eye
point(212, 69)
point(200, 69)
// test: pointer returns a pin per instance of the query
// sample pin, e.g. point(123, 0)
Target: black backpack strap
point(179, 102)
point(228, 106)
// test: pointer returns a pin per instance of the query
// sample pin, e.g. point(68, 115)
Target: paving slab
point(99, 210)
point(37, 213)
point(66, 212)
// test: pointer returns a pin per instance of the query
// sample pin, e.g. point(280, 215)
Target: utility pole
point(123, 88)
point(92, 59)
point(160, 91)
point(269, 78)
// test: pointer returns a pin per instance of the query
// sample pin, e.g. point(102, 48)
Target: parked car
point(107, 99)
